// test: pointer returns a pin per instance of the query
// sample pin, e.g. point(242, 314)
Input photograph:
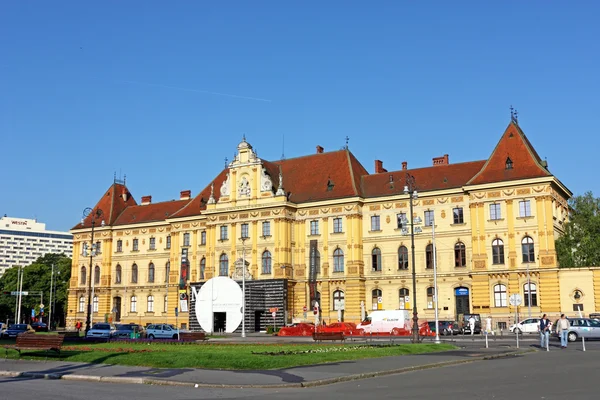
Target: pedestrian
point(562, 328)
point(472, 325)
point(488, 325)
point(544, 329)
point(78, 326)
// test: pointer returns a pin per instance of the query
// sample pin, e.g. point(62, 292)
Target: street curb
point(320, 382)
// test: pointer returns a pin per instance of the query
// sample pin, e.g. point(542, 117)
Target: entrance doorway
point(462, 301)
point(257, 316)
point(220, 319)
point(117, 308)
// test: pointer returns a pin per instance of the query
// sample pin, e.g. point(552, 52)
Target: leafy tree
point(580, 244)
point(36, 277)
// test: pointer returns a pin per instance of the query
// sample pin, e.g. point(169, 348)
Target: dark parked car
point(447, 328)
point(17, 329)
point(40, 327)
point(127, 331)
point(466, 329)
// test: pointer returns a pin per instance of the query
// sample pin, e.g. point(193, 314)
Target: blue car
point(15, 329)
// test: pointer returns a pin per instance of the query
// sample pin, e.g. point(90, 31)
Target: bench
point(31, 341)
point(192, 336)
point(320, 336)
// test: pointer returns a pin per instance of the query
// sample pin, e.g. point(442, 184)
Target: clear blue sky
point(164, 91)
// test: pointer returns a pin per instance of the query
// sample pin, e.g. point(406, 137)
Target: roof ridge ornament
point(211, 199)
point(514, 115)
point(280, 190)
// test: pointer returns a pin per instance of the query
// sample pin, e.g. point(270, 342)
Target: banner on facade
point(314, 262)
point(183, 301)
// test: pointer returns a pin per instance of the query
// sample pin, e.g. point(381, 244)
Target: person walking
point(562, 328)
point(544, 329)
point(488, 325)
point(472, 325)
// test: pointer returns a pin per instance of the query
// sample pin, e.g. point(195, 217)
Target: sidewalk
point(304, 376)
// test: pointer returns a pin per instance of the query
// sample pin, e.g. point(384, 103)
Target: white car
point(101, 331)
point(529, 325)
point(161, 331)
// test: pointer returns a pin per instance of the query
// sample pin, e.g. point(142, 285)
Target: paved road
point(557, 374)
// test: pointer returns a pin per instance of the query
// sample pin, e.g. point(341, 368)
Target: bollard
point(486, 340)
point(583, 342)
point(548, 343)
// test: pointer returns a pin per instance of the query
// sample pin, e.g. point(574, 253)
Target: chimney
point(404, 165)
point(146, 200)
point(320, 149)
point(185, 195)
point(379, 167)
point(441, 160)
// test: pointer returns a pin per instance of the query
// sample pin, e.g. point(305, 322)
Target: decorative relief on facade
point(176, 226)
point(266, 185)
point(374, 208)
point(194, 223)
point(401, 204)
point(513, 262)
point(456, 199)
point(265, 213)
point(349, 208)
point(213, 218)
point(387, 219)
point(493, 194)
point(353, 270)
point(479, 195)
point(482, 237)
point(336, 210)
point(152, 230)
point(118, 234)
point(313, 212)
point(223, 218)
point(547, 260)
point(428, 202)
point(143, 230)
point(443, 214)
point(387, 206)
point(225, 187)
point(245, 215)
point(244, 189)
point(508, 192)
point(538, 189)
point(523, 191)
point(276, 212)
point(136, 231)
point(479, 264)
point(186, 226)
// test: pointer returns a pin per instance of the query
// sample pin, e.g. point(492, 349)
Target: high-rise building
point(22, 241)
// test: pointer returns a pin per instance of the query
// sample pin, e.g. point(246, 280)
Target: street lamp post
point(94, 214)
point(435, 287)
point(243, 286)
point(410, 190)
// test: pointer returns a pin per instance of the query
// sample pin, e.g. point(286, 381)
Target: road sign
point(274, 314)
point(17, 293)
point(273, 309)
point(42, 305)
point(515, 300)
point(380, 300)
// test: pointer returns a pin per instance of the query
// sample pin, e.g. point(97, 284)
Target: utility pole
point(50, 305)
point(20, 296)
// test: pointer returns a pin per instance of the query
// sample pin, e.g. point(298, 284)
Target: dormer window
point(330, 185)
point(509, 163)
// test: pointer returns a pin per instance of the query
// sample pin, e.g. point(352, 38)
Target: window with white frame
point(403, 299)
point(150, 303)
point(460, 255)
point(376, 259)
point(430, 297)
point(244, 231)
point(338, 260)
point(152, 244)
point(401, 220)
point(135, 246)
point(266, 262)
point(497, 251)
point(266, 228)
point(151, 273)
point(168, 244)
point(429, 217)
point(524, 208)
point(375, 223)
point(134, 273)
point(337, 225)
point(118, 273)
point(376, 299)
point(457, 215)
point(314, 227)
point(133, 304)
point(500, 299)
point(338, 300)
point(495, 211)
point(528, 250)
point(186, 239)
point(119, 246)
point(203, 238)
point(530, 291)
point(223, 232)
point(81, 304)
point(223, 265)
point(402, 258)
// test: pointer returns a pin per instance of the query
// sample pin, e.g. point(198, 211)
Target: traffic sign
point(515, 300)
point(273, 309)
point(274, 314)
point(17, 293)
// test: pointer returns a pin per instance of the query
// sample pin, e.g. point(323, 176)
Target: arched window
point(429, 256)
point(500, 296)
point(315, 260)
point(134, 273)
point(96, 275)
point(151, 273)
point(528, 250)
point(118, 273)
point(81, 304)
point(404, 299)
point(150, 303)
point(338, 260)
point(202, 267)
point(430, 297)
point(223, 265)
point(83, 275)
point(460, 255)
point(95, 304)
point(167, 270)
point(266, 262)
point(497, 251)
point(338, 300)
point(402, 258)
point(531, 291)
point(377, 299)
point(133, 304)
point(376, 259)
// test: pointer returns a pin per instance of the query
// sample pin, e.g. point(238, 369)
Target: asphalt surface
point(558, 374)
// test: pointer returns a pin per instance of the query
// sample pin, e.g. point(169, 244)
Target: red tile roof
point(514, 145)
point(112, 205)
point(438, 177)
point(198, 203)
point(150, 212)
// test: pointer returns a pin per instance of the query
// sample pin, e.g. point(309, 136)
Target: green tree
point(580, 244)
point(36, 278)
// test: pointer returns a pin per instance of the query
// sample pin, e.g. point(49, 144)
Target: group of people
point(562, 329)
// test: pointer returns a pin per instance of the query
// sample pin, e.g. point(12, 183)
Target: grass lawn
point(224, 356)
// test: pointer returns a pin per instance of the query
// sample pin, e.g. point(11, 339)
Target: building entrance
point(220, 320)
point(257, 316)
point(462, 301)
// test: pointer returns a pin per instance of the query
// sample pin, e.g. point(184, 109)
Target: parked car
point(127, 331)
point(17, 329)
point(447, 328)
point(40, 327)
point(100, 331)
point(297, 329)
point(595, 316)
point(529, 325)
point(161, 331)
point(466, 329)
point(581, 327)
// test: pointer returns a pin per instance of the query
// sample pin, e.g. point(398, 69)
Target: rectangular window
point(266, 228)
point(495, 212)
point(401, 220)
point(135, 245)
point(525, 208)
point(223, 232)
point(458, 215)
point(375, 223)
point(186, 239)
point(152, 243)
point(168, 246)
point(337, 225)
point(203, 238)
point(428, 217)
point(119, 246)
point(244, 233)
point(314, 227)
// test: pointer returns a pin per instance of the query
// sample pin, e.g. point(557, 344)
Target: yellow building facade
point(496, 221)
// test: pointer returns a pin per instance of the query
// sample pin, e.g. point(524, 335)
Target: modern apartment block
point(22, 241)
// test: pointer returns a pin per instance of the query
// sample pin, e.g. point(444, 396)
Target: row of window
point(132, 304)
